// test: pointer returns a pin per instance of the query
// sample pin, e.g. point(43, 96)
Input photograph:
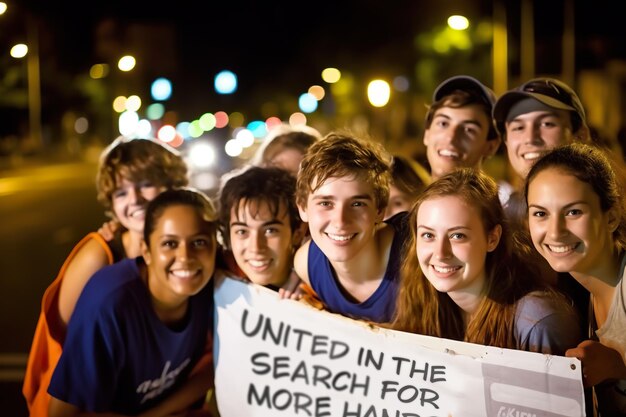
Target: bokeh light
point(233, 148)
point(81, 125)
point(221, 119)
point(297, 119)
point(307, 103)
point(119, 104)
point(166, 133)
point(133, 103)
point(128, 123)
point(317, 91)
point(98, 71)
point(155, 111)
point(331, 75)
point(19, 50)
point(378, 93)
point(126, 63)
point(161, 89)
point(225, 82)
point(207, 121)
point(458, 22)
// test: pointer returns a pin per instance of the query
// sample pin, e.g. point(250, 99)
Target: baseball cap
point(465, 83)
point(549, 92)
point(473, 87)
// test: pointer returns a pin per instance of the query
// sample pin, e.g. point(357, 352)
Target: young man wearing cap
point(459, 129)
point(540, 115)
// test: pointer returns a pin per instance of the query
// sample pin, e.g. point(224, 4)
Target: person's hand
point(108, 229)
point(599, 362)
point(291, 288)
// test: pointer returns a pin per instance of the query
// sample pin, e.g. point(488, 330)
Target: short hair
point(179, 197)
point(343, 155)
point(457, 99)
point(595, 167)
point(272, 186)
point(138, 160)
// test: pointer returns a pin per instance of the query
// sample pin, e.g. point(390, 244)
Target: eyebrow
point(573, 203)
point(267, 223)
point(465, 121)
point(332, 197)
point(448, 230)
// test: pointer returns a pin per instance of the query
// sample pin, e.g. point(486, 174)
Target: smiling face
point(181, 255)
point(342, 215)
point(567, 224)
point(457, 137)
point(129, 201)
point(530, 135)
point(452, 245)
point(261, 242)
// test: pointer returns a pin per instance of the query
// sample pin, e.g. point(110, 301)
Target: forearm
point(194, 388)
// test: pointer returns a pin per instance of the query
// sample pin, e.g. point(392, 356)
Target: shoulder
point(301, 261)
point(546, 323)
point(111, 281)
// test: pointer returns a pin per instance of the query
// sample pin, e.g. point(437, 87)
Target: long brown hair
point(422, 309)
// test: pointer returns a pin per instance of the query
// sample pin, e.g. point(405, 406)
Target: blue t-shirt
point(118, 356)
point(380, 306)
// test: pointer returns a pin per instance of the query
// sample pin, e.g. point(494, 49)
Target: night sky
point(283, 45)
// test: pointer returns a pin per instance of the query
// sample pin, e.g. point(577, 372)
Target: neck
point(132, 243)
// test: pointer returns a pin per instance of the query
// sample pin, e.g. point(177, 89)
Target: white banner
point(278, 357)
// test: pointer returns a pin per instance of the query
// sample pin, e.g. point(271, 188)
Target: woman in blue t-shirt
point(141, 325)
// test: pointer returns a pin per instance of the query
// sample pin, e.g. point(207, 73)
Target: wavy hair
point(422, 309)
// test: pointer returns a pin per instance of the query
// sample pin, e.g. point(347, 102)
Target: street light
point(32, 71)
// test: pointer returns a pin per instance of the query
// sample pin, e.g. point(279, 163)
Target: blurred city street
point(45, 207)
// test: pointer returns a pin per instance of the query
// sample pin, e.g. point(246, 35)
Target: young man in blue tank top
point(353, 257)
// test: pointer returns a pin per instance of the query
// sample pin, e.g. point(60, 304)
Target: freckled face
point(181, 256)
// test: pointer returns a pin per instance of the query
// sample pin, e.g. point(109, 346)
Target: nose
point(256, 242)
point(533, 134)
point(443, 250)
point(341, 216)
point(182, 252)
point(556, 227)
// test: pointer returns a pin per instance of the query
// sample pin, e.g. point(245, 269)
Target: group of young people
point(461, 256)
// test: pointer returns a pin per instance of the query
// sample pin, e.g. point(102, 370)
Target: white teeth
point(340, 238)
point(562, 249)
point(138, 213)
point(531, 155)
point(446, 152)
point(445, 269)
point(258, 264)
point(184, 273)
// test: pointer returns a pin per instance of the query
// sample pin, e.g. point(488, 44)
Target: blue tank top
point(380, 306)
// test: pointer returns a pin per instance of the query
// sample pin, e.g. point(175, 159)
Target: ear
point(303, 215)
point(298, 235)
point(493, 238)
point(491, 147)
point(614, 219)
point(426, 137)
point(145, 252)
